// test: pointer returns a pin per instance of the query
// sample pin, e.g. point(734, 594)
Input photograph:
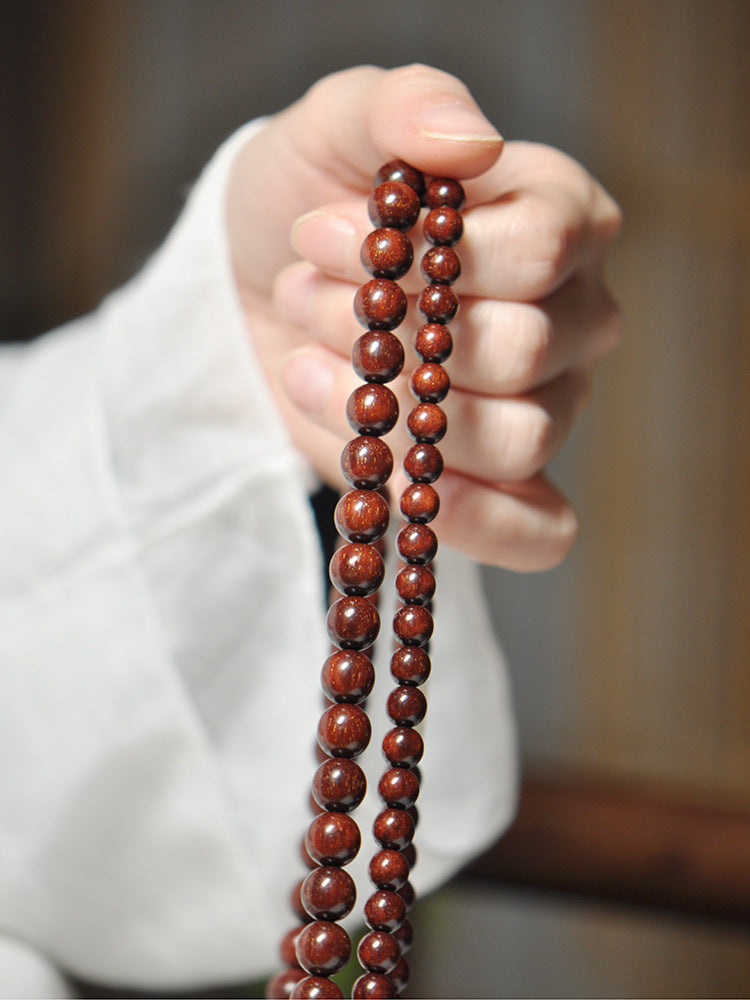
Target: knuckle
point(543, 244)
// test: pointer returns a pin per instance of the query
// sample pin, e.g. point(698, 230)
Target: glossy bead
point(387, 253)
point(399, 789)
point(339, 784)
point(441, 266)
point(343, 731)
point(333, 838)
point(415, 584)
point(323, 948)
point(405, 933)
point(378, 356)
point(430, 383)
point(328, 893)
point(393, 828)
point(412, 624)
point(444, 191)
point(410, 853)
point(403, 747)
point(356, 569)
point(389, 869)
point(372, 409)
point(438, 303)
point(281, 985)
point(380, 304)
point(417, 543)
point(423, 463)
point(367, 462)
point(316, 988)
point(347, 675)
point(406, 706)
point(362, 516)
point(400, 170)
point(433, 342)
point(426, 422)
point(385, 911)
point(353, 623)
point(410, 665)
point(373, 986)
point(443, 226)
point(288, 945)
point(399, 976)
point(419, 503)
point(394, 204)
point(378, 951)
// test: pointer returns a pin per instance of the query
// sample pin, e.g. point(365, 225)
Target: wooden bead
point(412, 624)
point(405, 933)
point(373, 986)
point(406, 706)
point(426, 422)
point(438, 303)
point(443, 226)
point(344, 731)
point(339, 784)
point(281, 985)
point(410, 665)
point(333, 838)
point(423, 463)
point(387, 253)
point(441, 266)
point(410, 853)
point(400, 170)
point(372, 409)
point(295, 901)
point(385, 911)
point(347, 675)
point(399, 976)
point(380, 304)
point(433, 342)
point(417, 543)
point(354, 623)
point(316, 988)
point(393, 828)
point(356, 569)
point(419, 503)
point(362, 516)
point(378, 951)
point(378, 356)
point(415, 584)
point(430, 382)
point(399, 789)
point(394, 204)
point(403, 747)
point(328, 893)
point(444, 191)
point(324, 947)
point(288, 944)
point(389, 869)
point(367, 462)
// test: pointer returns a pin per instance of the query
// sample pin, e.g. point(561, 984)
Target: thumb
point(328, 145)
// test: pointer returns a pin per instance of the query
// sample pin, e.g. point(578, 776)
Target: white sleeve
point(161, 637)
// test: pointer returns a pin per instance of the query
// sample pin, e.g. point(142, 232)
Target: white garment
point(161, 637)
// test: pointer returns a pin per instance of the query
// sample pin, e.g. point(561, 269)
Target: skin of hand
point(535, 315)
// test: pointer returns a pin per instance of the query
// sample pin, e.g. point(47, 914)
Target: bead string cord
point(321, 947)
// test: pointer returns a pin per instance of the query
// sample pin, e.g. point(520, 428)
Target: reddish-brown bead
point(328, 893)
point(385, 911)
point(443, 226)
point(403, 747)
point(344, 731)
point(347, 675)
point(281, 985)
point(430, 382)
point(419, 503)
point(372, 409)
point(441, 265)
point(399, 976)
point(423, 463)
point(405, 933)
point(378, 356)
point(438, 303)
point(373, 986)
point(399, 789)
point(389, 869)
point(333, 838)
point(316, 988)
point(415, 584)
point(444, 191)
point(410, 853)
point(353, 623)
point(324, 948)
point(417, 543)
point(295, 901)
point(394, 204)
point(356, 569)
point(426, 422)
point(393, 828)
point(412, 624)
point(288, 945)
point(362, 516)
point(433, 342)
point(378, 951)
point(339, 784)
point(410, 665)
point(400, 170)
point(406, 705)
point(387, 253)
point(367, 462)
point(380, 304)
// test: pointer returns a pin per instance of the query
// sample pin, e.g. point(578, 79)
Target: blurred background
point(628, 870)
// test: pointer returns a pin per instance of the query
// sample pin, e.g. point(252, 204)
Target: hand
point(535, 310)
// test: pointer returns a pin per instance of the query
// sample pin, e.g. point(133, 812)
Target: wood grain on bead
point(353, 623)
point(362, 516)
point(344, 731)
point(385, 911)
point(316, 988)
point(394, 204)
point(388, 868)
point(380, 304)
point(443, 226)
point(387, 253)
point(333, 838)
point(410, 665)
point(406, 706)
point(417, 543)
point(433, 342)
point(372, 409)
point(378, 951)
point(378, 356)
point(438, 303)
point(393, 828)
point(441, 266)
point(403, 746)
point(367, 462)
point(430, 382)
point(419, 503)
point(415, 584)
point(413, 625)
point(339, 784)
point(427, 422)
point(328, 893)
point(373, 986)
point(323, 948)
point(400, 170)
point(423, 463)
point(347, 675)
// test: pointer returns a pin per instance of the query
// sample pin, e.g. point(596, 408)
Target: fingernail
point(456, 122)
point(307, 382)
point(293, 293)
point(325, 239)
